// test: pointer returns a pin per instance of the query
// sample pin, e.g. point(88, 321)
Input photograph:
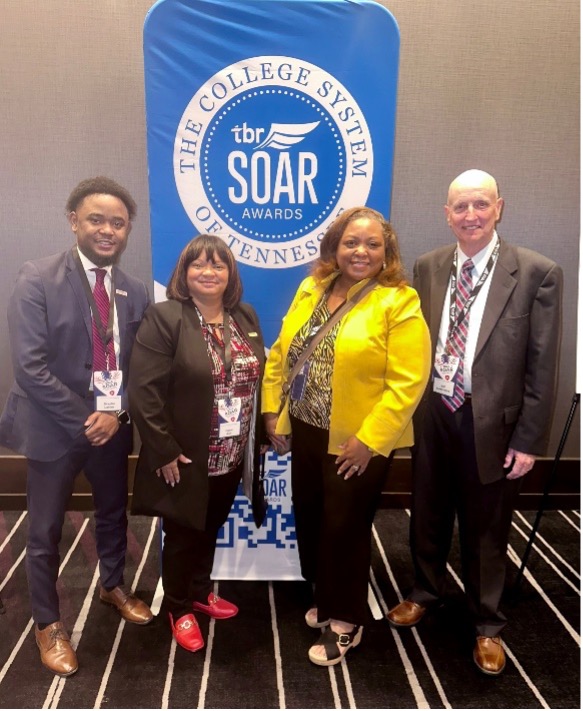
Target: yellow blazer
point(382, 359)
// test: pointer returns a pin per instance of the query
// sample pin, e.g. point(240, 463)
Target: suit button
point(88, 366)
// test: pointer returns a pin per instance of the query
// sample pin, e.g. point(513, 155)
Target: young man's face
point(102, 225)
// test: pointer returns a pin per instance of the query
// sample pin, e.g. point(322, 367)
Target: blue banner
point(265, 119)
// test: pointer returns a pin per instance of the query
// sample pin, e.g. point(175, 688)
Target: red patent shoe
point(186, 632)
point(217, 607)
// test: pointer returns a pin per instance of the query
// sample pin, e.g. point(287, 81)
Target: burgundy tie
point(102, 301)
point(456, 343)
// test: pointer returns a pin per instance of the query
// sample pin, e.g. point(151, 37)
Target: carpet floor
point(258, 660)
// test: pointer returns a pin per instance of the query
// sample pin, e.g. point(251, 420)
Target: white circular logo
point(267, 153)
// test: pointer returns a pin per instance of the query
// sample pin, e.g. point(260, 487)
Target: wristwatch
point(123, 417)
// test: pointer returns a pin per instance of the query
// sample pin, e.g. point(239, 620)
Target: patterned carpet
point(259, 659)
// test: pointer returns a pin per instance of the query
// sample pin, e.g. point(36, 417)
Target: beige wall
point(492, 85)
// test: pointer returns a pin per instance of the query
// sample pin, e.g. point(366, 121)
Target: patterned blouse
point(315, 405)
point(225, 453)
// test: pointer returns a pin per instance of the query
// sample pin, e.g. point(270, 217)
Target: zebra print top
point(315, 403)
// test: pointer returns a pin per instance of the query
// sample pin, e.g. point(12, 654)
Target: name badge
point(298, 386)
point(107, 388)
point(229, 416)
point(445, 368)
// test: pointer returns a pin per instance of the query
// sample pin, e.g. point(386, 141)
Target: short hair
point(101, 186)
point(213, 247)
point(393, 274)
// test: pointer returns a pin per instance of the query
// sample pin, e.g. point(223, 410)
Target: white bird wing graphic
point(284, 135)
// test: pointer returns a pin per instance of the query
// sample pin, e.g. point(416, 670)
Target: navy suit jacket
point(514, 372)
point(49, 321)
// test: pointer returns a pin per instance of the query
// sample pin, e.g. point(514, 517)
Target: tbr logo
point(267, 153)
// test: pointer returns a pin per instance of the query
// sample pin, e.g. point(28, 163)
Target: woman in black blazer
point(194, 384)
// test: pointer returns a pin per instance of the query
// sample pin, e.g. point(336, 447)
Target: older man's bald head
point(473, 178)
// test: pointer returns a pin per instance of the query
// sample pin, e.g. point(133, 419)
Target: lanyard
point(222, 350)
point(105, 334)
point(456, 319)
point(326, 327)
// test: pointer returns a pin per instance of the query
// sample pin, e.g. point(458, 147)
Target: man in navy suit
point(486, 414)
point(59, 415)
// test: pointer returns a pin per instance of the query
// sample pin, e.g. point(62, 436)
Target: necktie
point(100, 361)
point(456, 342)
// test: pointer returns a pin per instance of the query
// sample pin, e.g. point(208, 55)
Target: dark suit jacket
point(171, 398)
point(515, 365)
point(49, 320)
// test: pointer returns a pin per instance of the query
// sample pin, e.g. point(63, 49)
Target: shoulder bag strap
point(323, 330)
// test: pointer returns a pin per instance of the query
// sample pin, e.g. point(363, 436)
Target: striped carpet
point(259, 659)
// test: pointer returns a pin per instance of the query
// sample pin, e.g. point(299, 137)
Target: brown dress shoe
point(56, 652)
point(131, 608)
point(489, 655)
point(406, 614)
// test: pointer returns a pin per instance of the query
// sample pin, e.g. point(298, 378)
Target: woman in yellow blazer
point(349, 406)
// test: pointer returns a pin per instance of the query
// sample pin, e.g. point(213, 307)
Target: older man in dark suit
point(72, 319)
point(494, 313)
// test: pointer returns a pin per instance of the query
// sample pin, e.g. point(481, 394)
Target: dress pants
point(334, 519)
point(188, 553)
point(445, 482)
point(49, 488)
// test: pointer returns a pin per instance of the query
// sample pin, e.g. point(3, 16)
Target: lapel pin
point(121, 292)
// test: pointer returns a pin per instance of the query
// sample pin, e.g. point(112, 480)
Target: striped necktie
point(102, 355)
point(456, 342)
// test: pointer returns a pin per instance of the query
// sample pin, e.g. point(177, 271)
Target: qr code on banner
point(278, 529)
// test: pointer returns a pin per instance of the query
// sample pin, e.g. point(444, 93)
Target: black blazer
point(171, 396)
point(514, 372)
